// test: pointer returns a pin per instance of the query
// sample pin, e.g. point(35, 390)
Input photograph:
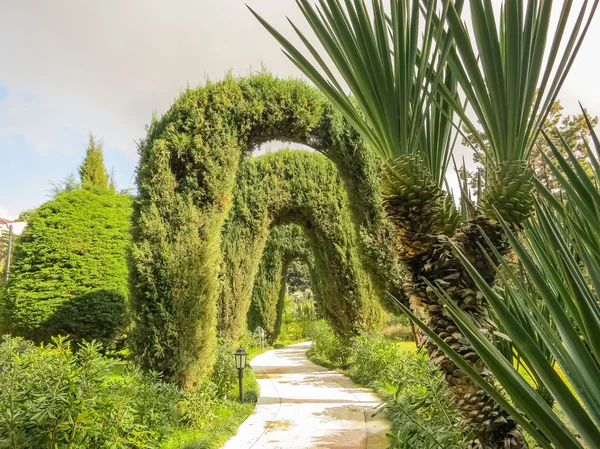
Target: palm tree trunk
point(437, 264)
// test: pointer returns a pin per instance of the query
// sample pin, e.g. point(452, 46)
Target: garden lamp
point(240, 363)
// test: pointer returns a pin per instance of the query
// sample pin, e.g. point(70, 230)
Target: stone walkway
point(305, 406)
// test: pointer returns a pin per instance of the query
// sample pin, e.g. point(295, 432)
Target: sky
point(69, 67)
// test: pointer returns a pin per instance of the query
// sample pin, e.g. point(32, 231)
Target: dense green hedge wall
point(186, 176)
point(69, 272)
point(302, 188)
point(285, 244)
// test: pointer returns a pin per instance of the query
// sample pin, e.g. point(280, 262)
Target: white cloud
point(73, 66)
point(106, 66)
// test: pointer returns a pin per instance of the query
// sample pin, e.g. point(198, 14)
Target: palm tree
point(401, 66)
point(559, 251)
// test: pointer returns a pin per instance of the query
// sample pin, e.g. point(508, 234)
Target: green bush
point(51, 397)
point(224, 375)
point(188, 168)
point(377, 362)
point(305, 188)
point(328, 349)
point(69, 274)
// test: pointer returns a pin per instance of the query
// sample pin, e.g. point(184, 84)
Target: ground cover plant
point(52, 397)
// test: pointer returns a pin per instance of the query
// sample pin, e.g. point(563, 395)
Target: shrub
point(422, 410)
point(188, 169)
point(69, 272)
point(250, 340)
point(224, 375)
point(50, 397)
point(377, 362)
point(328, 348)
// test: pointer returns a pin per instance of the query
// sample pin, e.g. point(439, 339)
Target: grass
point(407, 346)
point(228, 417)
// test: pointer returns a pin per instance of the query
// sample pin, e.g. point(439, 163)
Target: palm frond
point(555, 315)
point(511, 68)
point(391, 64)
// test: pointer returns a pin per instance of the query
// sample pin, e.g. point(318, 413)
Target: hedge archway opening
point(302, 188)
point(285, 244)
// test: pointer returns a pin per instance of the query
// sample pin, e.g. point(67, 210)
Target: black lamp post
point(240, 363)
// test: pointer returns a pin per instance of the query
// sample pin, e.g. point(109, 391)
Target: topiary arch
point(285, 244)
point(305, 189)
point(188, 166)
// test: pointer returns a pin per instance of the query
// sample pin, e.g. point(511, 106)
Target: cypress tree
point(92, 171)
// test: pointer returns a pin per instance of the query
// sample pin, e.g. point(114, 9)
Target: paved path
point(305, 406)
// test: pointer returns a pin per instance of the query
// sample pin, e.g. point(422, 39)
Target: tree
point(549, 313)
point(402, 63)
point(557, 126)
point(92, 171)
point(25, 215)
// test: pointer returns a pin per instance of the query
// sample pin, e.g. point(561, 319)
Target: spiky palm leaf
point(504, 67)
point(392, 65)
point(561, 256)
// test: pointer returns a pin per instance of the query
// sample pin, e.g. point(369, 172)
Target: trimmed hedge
point(305, 189)
point(285, 245)
point(188, 166)
point(69, 272)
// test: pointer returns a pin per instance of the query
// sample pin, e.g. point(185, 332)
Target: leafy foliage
point(572, 128)
point(284, 245)
point(328, 349)
point(52, 397)
point(69, 272)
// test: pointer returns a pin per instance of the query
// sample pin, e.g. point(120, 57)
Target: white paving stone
point(305, 406)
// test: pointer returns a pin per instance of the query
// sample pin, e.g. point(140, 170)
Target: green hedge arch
point(302, 188)
point(285, 244)
point(187, 172)
point(69, 272)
